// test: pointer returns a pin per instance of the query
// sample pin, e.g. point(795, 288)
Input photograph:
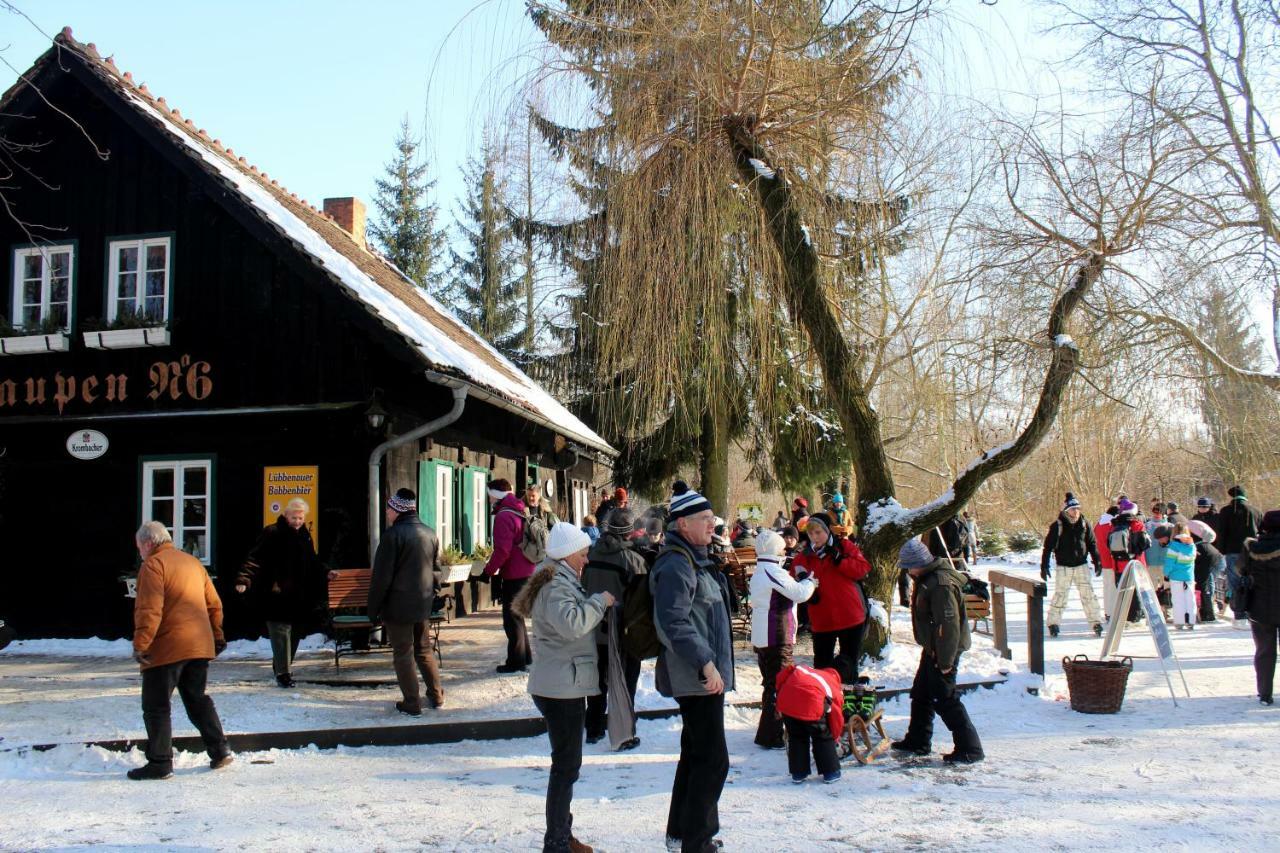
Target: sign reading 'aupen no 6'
point(165, 380)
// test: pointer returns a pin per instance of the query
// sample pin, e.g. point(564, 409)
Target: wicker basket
point(1096, 686)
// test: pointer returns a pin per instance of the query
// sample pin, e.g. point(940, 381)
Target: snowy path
point(1188, 778)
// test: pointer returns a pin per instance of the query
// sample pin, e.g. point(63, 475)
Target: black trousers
point(694, 817)
point(824, 646)
point(158, 683)
point(771, 659)
point(1266, 636)
point(598, 706)
point(564, 729)
point(904, 588)
point(518, 651)
point(935, 693)
point(802, 736)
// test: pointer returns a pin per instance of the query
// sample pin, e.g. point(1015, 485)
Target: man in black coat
point(402, 593)
point(1237, 521)
point(288, 580)
point(1071, 543)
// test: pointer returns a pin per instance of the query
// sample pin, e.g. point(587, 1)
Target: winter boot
point(1053, 630)
point(220, 762)
point(967, 757)
point(905, 745)
point(411, 710)
point(150, 770)
point(576, 846)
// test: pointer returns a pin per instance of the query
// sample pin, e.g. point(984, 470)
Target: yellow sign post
point(283, 483)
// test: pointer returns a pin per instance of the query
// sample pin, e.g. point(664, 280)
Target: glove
point(1097, 571)
point(219, 646)
point(141, 658)
point(1044, 573)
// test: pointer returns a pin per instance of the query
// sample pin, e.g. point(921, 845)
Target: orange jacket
point(178, 614)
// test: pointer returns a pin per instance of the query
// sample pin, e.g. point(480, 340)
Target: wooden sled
point(858, 729)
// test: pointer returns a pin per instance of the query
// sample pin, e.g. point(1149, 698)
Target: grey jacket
point(405, 580)
point(691, 614)
point(564, 644)
point(613, 564)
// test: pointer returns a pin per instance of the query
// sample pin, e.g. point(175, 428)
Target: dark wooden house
point(188, 341)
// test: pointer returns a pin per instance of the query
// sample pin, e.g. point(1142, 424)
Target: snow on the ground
point(1196, 777)
point(93, 647)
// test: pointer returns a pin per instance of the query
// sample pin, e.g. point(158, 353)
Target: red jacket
point(839, 603)
point(1100, 534)
point(803, 694)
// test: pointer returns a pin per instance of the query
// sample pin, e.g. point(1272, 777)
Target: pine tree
point(485, 279)
point(405, 225)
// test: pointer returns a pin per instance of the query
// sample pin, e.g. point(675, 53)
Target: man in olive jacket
point(402, 592)
point(938, 620)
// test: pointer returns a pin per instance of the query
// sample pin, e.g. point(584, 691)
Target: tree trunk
point(713, 456)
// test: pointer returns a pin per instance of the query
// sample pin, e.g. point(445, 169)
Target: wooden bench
point(349, 591)
point(740, 563)
point(978, 609)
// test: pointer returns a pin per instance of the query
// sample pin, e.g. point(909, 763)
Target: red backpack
point(809, 694)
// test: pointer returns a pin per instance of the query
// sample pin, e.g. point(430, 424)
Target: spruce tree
point(405, 225)
point(486, 283)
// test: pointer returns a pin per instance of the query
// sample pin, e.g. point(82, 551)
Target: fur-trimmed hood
point(523, 605)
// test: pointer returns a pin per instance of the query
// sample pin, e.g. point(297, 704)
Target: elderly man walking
point(695, 665)
point(177, 630)
point(402, 592)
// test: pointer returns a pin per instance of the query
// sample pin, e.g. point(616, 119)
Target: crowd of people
point(605, 595)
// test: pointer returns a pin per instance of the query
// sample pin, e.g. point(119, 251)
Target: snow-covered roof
point(445, 343)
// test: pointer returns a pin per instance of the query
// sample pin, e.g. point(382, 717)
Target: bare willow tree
point(765, 120)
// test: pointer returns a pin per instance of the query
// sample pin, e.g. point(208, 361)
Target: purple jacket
point(507, 559)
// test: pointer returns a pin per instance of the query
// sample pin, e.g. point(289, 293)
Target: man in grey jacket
point(402, 592)
point(691, 615)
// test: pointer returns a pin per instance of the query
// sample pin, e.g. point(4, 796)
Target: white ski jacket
point(774, 594)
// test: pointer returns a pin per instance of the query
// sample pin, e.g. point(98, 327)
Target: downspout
point(375, 458)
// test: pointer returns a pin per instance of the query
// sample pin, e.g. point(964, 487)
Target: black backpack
point(639, 635)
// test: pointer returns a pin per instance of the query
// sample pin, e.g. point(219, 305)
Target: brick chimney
point(349, 213)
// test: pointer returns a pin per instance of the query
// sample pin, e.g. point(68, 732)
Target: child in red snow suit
point(811, 704)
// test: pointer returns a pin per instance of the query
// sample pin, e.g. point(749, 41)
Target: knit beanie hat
point(1204, 502)
point(404, 500)
point(770, 544)
point(837, 498)
point(914, 555)
point(620, 521)
point(565, 539)
point(685, 501)
point(500, 488)
point(620, 493)
point(1071, 502)
point(800, 502)
point(821, 519)
point(1125, 506)
point(1270, 522)
point(1237, 493)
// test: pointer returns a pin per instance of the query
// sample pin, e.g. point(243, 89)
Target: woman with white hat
point(564, 669)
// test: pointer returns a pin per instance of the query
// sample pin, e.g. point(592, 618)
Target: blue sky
point(313, 92)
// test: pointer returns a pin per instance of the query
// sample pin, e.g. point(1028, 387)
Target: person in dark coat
point(941, 629)
point(1070, 541)
point(287, 578)
point(402, 594)
point(1207, 560)
point(613, 566)
point(695, 667)
point(1205, 512)
point(1237, 522)
point(1259, 568)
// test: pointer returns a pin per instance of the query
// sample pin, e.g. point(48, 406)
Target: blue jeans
point(1234, 581)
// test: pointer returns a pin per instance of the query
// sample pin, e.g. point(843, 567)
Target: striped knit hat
point(685, 501)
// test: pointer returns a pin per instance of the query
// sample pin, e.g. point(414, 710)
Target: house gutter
point(459, 390)
point(487, 396)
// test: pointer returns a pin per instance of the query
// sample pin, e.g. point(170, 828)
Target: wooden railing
point(1035, 592)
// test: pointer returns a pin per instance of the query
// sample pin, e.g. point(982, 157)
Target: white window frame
point(479, 508)
point(582, 502)
point(179, 467)
point(46, 282)
point(444, 505)
point(140, 290)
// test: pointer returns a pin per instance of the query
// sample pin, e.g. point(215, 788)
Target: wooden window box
point(26, 344)
point(155, 336)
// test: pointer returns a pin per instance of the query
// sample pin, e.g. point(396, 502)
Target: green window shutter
point(427, 493)
point(464, 512)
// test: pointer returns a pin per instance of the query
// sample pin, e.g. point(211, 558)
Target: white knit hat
point(770, 544)
point(565, 539)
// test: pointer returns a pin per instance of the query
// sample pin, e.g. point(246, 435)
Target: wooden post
point(1035, 630)
point(999, 634)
